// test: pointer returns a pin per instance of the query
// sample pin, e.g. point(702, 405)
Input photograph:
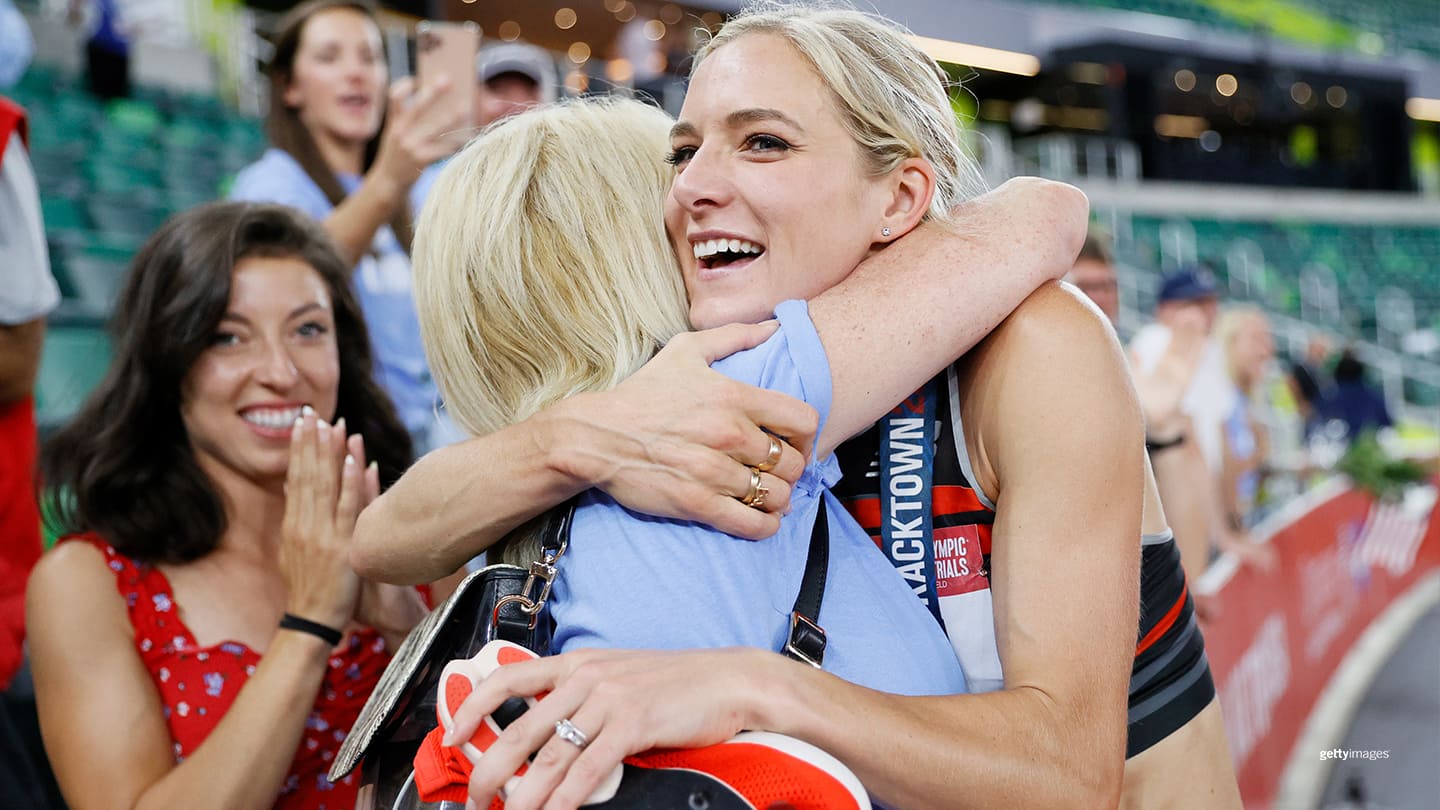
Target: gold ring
point(759, 502)
point(755, 493)
point(773, 457)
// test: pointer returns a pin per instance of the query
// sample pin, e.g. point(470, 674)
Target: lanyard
point(907, 469)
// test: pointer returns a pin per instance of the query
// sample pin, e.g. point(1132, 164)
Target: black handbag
point(501, 602)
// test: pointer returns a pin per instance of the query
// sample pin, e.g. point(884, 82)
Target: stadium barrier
point(1341, 561)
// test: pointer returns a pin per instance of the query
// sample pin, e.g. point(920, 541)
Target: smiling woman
point(352, 153)
point(206, 509)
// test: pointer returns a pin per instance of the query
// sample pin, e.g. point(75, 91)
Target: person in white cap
point(513, 77)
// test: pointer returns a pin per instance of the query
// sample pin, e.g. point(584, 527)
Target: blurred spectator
point(1189, 302)
point(1353, 400)
point(513, 77)
point(17, 45)
point(1244, 334)
point(1307, 380)
point(645, 57)
point(1094, 274)
point(107, 47)
point(1185, 394)
point(27, 293)
point(215, 506)
point(1175, 460)
point(335, 156)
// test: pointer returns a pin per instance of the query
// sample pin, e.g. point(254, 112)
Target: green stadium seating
point(108, 175)
point(1364, 259)
point(73, 361)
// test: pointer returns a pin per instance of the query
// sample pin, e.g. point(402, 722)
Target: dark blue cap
point(1189, 284)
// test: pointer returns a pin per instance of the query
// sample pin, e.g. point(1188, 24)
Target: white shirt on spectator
point(27, 289)
point(1211, 397)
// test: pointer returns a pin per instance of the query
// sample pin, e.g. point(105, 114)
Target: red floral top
point(198, 684)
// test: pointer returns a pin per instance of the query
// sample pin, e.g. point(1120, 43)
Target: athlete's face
point(771, 200)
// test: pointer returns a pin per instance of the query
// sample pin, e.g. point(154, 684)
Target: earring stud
point(884, 231)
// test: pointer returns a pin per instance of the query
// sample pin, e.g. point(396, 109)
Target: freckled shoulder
point(1055, 342)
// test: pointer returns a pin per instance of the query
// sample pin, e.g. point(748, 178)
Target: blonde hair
point(889, 93)
point(1228, 326)
point(541, 263)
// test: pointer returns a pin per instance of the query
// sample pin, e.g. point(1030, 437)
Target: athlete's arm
point(672, 440)
point(103, 720)
point(667, 441)
point(1066, 558)
point(911, 309)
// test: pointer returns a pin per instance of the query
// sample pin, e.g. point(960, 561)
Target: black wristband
point(329, 635)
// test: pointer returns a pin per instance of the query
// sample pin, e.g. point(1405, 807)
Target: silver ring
point(566, 730)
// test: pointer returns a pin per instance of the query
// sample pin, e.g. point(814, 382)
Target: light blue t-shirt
point(634, 581)
point(382, 281)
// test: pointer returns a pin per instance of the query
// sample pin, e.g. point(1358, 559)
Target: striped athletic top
point(1170, 682)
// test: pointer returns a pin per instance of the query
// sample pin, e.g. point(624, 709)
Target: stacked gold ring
point(773, 457)
point(756, 496)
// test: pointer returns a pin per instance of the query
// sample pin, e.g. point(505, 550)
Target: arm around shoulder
point(933, 295)
point(1061, 434)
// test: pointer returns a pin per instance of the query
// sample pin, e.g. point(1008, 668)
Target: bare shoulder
point(1056, 320)
point(72, 584)
point(1055, 338)
point(1053, 367)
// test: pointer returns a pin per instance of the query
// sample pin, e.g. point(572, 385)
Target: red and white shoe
point(754, 770)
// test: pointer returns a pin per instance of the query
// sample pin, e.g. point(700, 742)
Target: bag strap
point(807, 639)
point(554, 540)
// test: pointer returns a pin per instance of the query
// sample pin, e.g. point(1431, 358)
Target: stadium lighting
point(978, 56)
point(1423, 109)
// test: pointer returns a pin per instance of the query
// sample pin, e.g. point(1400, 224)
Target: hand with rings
point(678, 439)
point(600, 706)
point(755, 497)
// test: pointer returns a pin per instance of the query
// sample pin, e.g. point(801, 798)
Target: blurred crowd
point(361, 175)
point(1232, 430)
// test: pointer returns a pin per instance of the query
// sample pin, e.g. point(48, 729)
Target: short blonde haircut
point(889, 93)
point(541, 264)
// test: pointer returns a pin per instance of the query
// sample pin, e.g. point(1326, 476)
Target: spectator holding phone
point(335, 156)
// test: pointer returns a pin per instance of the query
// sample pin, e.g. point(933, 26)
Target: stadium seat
point(72, 362)
point(136, 214)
